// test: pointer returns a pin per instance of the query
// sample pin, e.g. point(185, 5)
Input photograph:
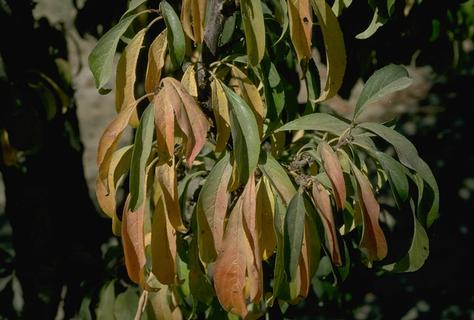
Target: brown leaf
point(334, 171)
point(265, 209)
point(373, 242)
point(221, 114)
point(164, 123)
point(301, 25)
point(323, 204)
point(156, 62)
point(133, 241)
point(126, 76)
point(192, 18)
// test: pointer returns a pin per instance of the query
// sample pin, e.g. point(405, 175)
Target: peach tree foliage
point(227, 173)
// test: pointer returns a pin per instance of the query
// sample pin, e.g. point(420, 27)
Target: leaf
point(212, 208)
point(293, 234)
point(273, 88)
point(101, 59)
point(163, 240)
point(165, 126)
point(140, 154)
point(126, 304)
point(189, 117)
point(281, 14)
point(278, 178)
point(335, 49)
point(199, 284)
point(192, 18)
point(105, 309)
point(246, 141)
point(323, 203)
point(189, 80)
point(373, 242)
point(316, 121)
point(408, 156)
point(334, 171)
point(227, 30)
point(254, 28)
point(301, 25)
point(376, 22)
point(162, 305)
point(175, 34)
point(156, 62)
point(384, 81)
point(265, 208)
point(221, 114)
point(133, 241)
point(133, 5)
point(396, 175)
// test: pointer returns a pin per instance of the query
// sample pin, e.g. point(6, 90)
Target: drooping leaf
point(254, 28)
point(221, 114)
point(373, 242)
point(189, 80)
point(133, 241)
point(384, 81)
point(165, 126)
point(101, 59)
point(273, 88)
point(396, 174)
point(301, 25)
point(212, 208)
point(265, 208)
point(133, 5)
point(140, 154)
point(175, 34)
point(227, 30)
point(323, 204)
point(192, 17)
point(293, 234)
point(156, 62)
point(162, 305)
point(246, 140)
point(278, 178)
point(199, 284)
point(334, 171)
point(281, 14)
point(125, 306)
point(408, 156)
point(335, 49)
point(163, 240)
point(316, 121)
point(376, 22)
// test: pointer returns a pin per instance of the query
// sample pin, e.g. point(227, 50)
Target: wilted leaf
point(175, 34)
point(192, 17)
point(316, 121)
point(156, 62)
point(101, 59)
point(293, 234)
point(164, 123)
point(212, 208)
point(189, 80)
point(133, 241)
point(384, 81)
point(334, 171)
point(245, 135)
point(221, 114)
point(278, 177)
point(140, 154)
point(373, 242)
point(301, 25)
point(162, 305)
point(335, 49)
point(254, 27)
point(265, 209)
point(323, 203)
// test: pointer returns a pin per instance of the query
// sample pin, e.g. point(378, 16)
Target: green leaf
point(176, 40)
point(278, 177)
point(245, 137)
point(126, 304)
point(396, 174)
point(281, 14)
point(133, 5)
point(105, 309)
point(101, 59)
point(408, 156)
point(254, 28)
point(84, 311)
point(273, 88)
point(293, 234)
point(384, 81)
point(140, 154)
point(376, 22)
point(227, 30)
point(318, 122)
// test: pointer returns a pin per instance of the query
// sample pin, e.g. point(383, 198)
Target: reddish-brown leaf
point(164, 123)
point(323, 204)
point(334, 171)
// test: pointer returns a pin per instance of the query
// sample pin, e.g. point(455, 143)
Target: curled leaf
point(334, 171)
point(221, 114)
point(254, 28)
point(301, 26)
point(265, 209)
point(192, 17)
point(156, 62)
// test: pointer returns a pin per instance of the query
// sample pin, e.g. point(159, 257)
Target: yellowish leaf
point(334, 171)
point(265, 209)
point(156, 62)
point(301, 26)
point(221, 114)
point(192, 18)
point(126, 76)
point(164, 123)
point(335, 49)
point(189, 80)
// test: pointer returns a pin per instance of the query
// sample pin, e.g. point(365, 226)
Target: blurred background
point(57, 250)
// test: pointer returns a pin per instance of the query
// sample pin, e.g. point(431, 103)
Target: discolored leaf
point(192, 17)
point(101, 59)
point(189, 80)
point(133, 241)
point(323, 204)
point(334, 171)
point(140, 154)
point(254, 28)
point(301, 25)
point(293, 234)
point(334, 46)
point(265, 208)
point(175, 34)
point(105, 309)
point(221, 114)
point(246, 141)
point(165, 126)
point(316, 121)
point(373, 242)
point(376, 22)
point(162, 304)
point(278, 178)
point(212, 208)
point(126, 304)
point(133, 5)
point(384, 81)
point(156, 62)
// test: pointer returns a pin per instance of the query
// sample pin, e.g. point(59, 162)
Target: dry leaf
point(334, 171)
point(192, 18)
point(156, 62)
point(221, 114)
point(301, 25)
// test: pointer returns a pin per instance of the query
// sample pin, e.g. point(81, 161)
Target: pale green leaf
point(254, 28)
point(318, 122)
point(376, 22)
point(175, 34)
point(126, 304)
point(105, 309)
point(278, 177)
